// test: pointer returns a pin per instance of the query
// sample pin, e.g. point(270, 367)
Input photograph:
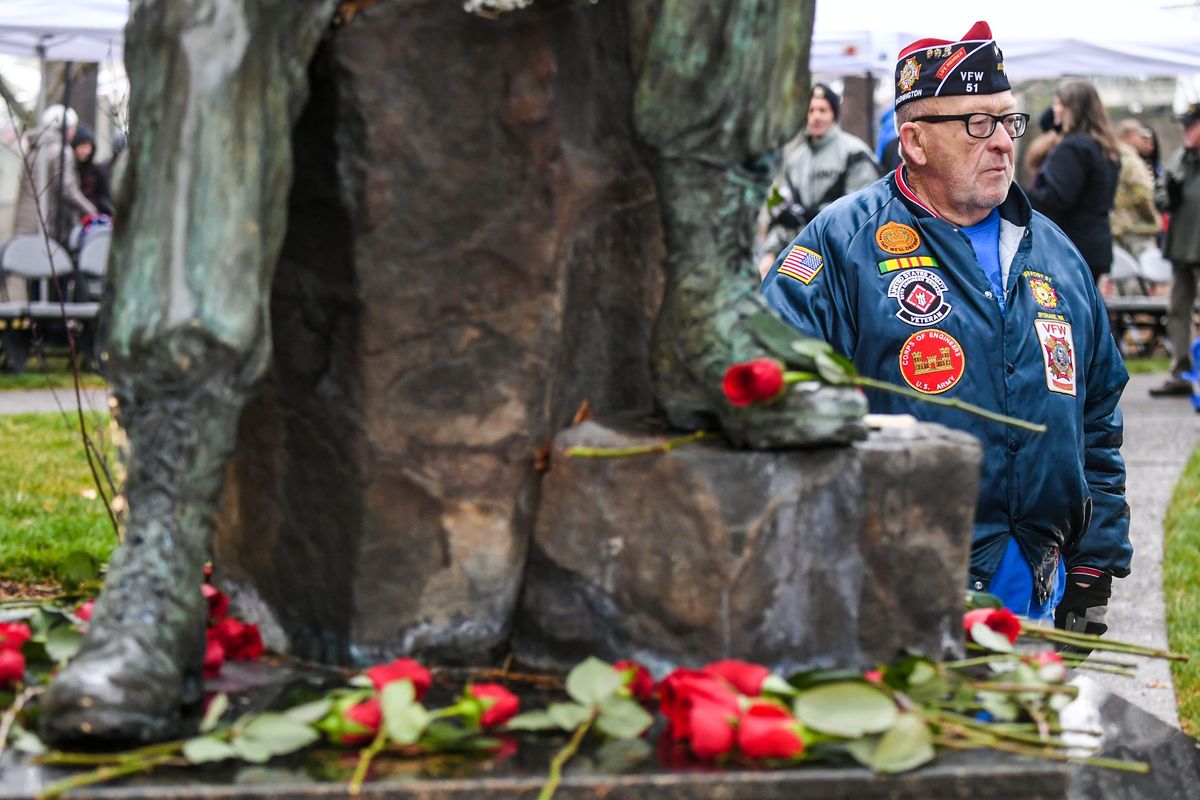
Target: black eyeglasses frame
point(997, 119)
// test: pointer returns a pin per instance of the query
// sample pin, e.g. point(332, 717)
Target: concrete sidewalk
point(1160, 434)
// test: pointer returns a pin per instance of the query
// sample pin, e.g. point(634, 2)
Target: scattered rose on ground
point(84, 612)
point(711, 727)
point(241, 640)
point(12, 667)
point(750, 382)
point(683, 688)
point(218, 602)
point(402, 669)
point(747, 678)
point(214, 657)
point(766, 730)
point(365, 719)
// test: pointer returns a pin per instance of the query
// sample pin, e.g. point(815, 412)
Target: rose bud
point(12, 667)
point(84, 612)
point(218, 603)
point(241, 640)
point(711, 727)
point(636, 679)
point(745, 677)
point(499, 704)
point(13, 635)
point(402, 669)
point(768, 731)
point(214, 657)
point(1001, 620)
point(757, 381)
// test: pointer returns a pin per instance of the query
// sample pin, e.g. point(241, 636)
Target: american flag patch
point(802, 264)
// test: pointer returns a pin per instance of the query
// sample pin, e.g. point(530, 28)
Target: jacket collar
point(1015, 208)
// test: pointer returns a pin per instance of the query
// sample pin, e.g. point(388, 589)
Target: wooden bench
point(1139, 323)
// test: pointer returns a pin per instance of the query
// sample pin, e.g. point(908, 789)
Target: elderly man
point(944, 279)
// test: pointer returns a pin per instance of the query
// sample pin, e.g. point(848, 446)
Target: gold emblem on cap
point(897, 239)
point(909, 74)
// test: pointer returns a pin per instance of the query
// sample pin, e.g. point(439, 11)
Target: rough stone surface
point(473, 250)
point(826, 557)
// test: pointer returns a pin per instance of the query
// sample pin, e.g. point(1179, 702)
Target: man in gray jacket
point(51, 179)
point(1179, 194)
point(820, 165)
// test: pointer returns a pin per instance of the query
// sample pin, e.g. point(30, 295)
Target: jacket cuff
point(1085, 575)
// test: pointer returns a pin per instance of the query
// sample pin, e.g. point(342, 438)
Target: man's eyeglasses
point(981, 125)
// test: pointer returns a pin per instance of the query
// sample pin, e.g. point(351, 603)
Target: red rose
point(13, 635)
point(683, 688)
point(745, 677)
point(751, 382)
point(1050, 666)
point(241, 640)
point(218, 603)
point(1001, 620)
point(84, 612)
point(873, 676)
point(401, 669)
point(768, 731)
point(711, 727)
point(365, 719)
point(637, 680)
point(500, 705)
point(12, 667)
point(214, 657)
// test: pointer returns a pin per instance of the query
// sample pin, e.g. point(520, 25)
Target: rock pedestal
point(805, 558)
point(473, 250)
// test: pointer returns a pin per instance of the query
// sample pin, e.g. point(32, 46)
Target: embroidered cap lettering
point(802, 264)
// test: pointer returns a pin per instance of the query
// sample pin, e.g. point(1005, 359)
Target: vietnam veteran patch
point(893, 264)
point(802, 264)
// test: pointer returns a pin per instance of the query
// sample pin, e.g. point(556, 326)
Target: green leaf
point(62, 643)
point(533, 721)
point(906, 746)
point(568, 716)
point(212, 714)
point(622, 718)
point(404, 718)
point(621, 755)
point(204, 749)
point(773, 684)
point(591, 681)
point(279, 734)
point(251, 750)
point(834, 368)
point(362, 682)
point(982, 600)
point(780, 339)
point(999, 705)
point(77, 567)
point(848, 709)
point(985, 637)
point(25, 742)
point(310, 713)
point(820, 677)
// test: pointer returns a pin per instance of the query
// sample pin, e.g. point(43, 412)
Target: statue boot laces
point(138, 672)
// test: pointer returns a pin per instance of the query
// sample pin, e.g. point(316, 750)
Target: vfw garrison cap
point(940, 68)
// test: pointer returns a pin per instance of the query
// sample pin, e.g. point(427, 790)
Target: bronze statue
point(216, 87)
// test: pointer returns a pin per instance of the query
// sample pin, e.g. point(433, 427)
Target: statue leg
point(216, 87)
point(718, 89)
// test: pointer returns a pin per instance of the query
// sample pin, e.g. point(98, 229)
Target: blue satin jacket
point(900, 291)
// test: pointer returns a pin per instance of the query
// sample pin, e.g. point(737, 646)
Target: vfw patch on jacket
point(1058, 353)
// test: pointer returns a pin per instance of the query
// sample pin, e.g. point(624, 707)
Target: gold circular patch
point(897, 239)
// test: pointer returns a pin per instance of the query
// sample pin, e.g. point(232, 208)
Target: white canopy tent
point(79, 30)
point(1040, 38)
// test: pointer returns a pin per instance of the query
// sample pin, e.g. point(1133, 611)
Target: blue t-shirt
point(985, 238)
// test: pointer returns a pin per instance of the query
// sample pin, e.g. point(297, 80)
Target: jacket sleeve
point(822, 307)
point(72, 195)
point(1061, 179)
point(1104, 546)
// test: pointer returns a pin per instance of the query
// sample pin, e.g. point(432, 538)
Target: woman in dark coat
point(93, 177)
point(1076, 183)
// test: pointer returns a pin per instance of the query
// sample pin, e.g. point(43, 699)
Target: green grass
point(52, 372)
point(47, 510)
point(1181, 577)
point(1150, 364)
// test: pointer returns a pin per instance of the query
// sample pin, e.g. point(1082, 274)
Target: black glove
point(1083, 608)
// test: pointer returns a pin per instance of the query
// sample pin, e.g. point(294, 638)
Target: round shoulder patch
point(897, 239)
point(932, 361)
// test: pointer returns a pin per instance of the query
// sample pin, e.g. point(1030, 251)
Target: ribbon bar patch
point(893, 264)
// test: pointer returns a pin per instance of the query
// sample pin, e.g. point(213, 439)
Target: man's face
point(1191, 135)
point(820, 117)
point(974, 175)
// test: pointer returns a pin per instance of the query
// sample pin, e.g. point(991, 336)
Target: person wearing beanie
point(49, 165)
point(820, 165)
point(93, 177)
point(944, 279)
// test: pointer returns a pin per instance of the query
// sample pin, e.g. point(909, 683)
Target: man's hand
point(1084, 606)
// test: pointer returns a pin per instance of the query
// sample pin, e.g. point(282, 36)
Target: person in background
point(1077, 182)
point(1179, 195)
point(49, 176)
point(1134, 220)
point(1037, 150)
point(820, 165)
point(887, 152)
point(93, 177)
point(943, 278)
